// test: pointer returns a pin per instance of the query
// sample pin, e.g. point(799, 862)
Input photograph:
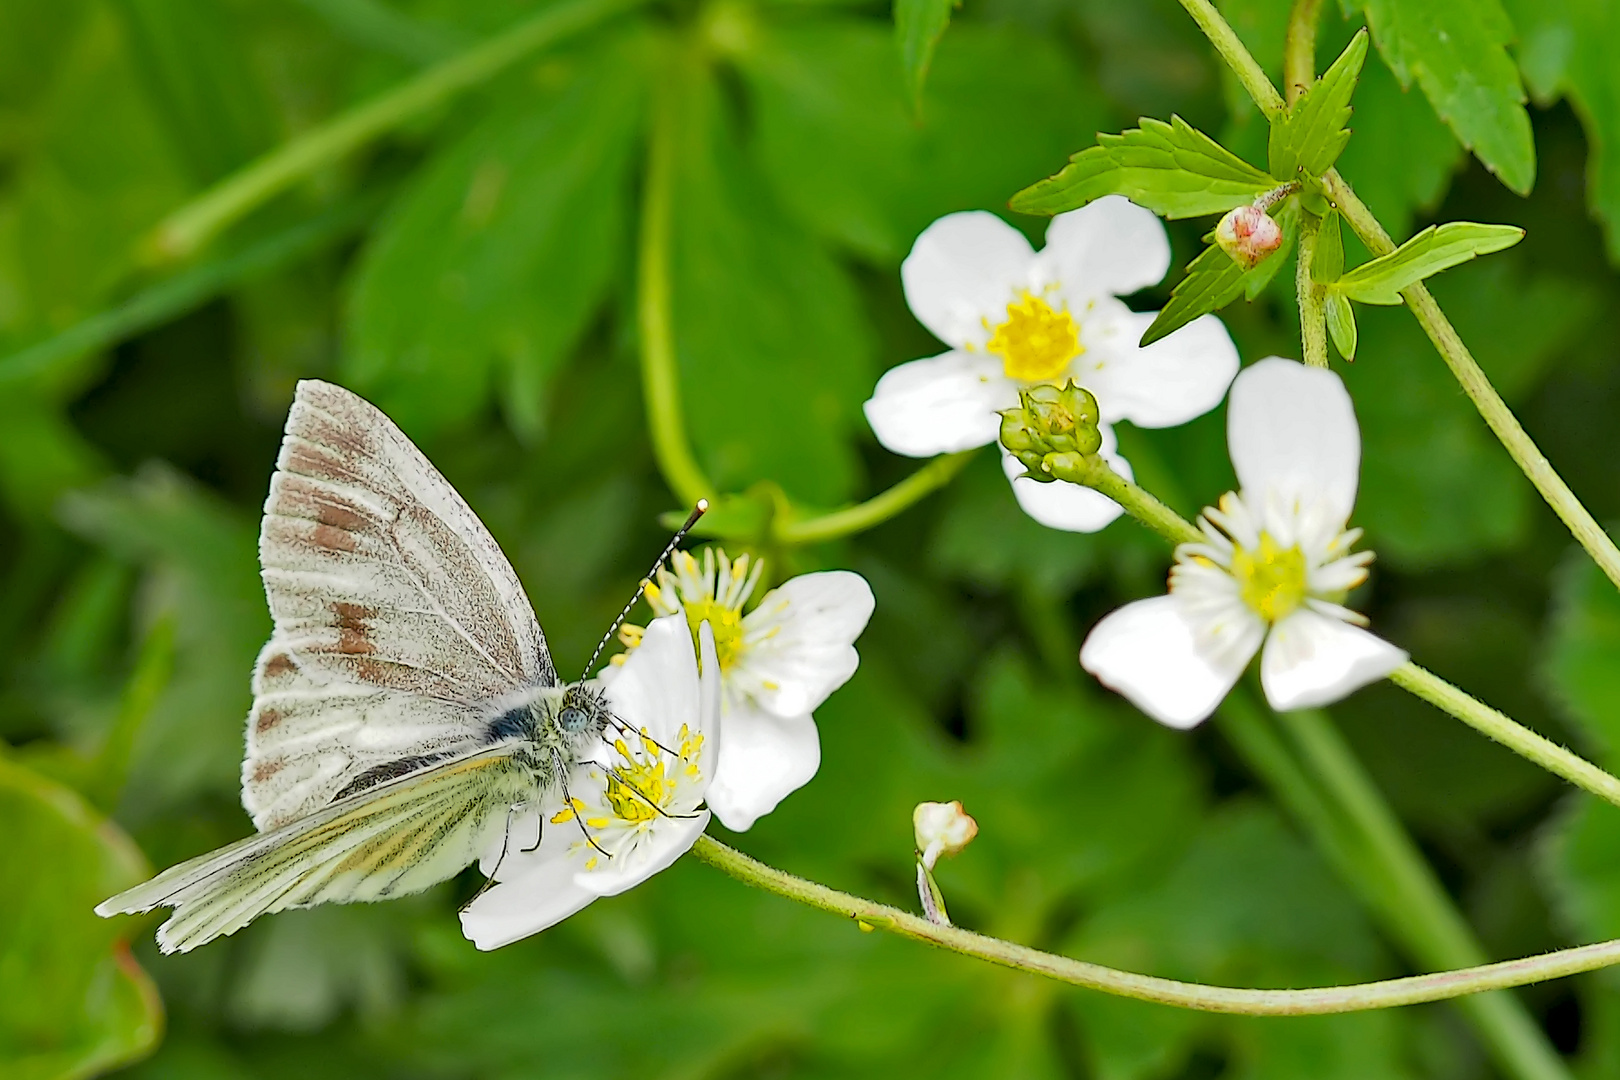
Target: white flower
point(1014, 317)
point(632, 810)
point(1274, 567)
point(777, 664)
point(941, 829)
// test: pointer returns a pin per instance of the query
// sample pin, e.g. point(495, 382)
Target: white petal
point(1110, 247)
point(669, 839)
point(766, 757)
point(1062, 505)
point(536, 890)
point(1293, 437)
point(1170, 382)
point(1147, 652)
point(1311, 659)
point(800, 641)
point(963, 270)
point(657, 687)
point(940, 405)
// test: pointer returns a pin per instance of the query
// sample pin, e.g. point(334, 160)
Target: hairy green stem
point(1253, 77)
point(1222, 999)
point(655, 319)
point(879, 508)
point(1598, 544)
point(1299, 48)
point(186, 290)
point(199, 221)
point(1312, 308)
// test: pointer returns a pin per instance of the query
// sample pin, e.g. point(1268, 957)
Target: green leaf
point(1172, 169)
point(918, 26)
point(73, 1002)
point(850, 158)
point(774, 347)
point(1341, 323)
point(1311, 137)
point(1456, 50)
point(1214, 280)
point(1328, 261)
point(447, 305)
point(1434, 249)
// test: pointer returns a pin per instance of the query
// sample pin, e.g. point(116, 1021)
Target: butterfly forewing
point(398, 838)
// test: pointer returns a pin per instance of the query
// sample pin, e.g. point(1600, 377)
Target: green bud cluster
point(1053, 432)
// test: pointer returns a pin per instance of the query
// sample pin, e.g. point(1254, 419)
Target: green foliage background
point(474, 274)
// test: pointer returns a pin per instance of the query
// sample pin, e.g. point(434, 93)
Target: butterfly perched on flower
point(406, 708)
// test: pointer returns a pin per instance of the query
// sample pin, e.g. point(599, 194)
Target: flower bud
point(1248, 234)
point(941, 829)
point(1053, 430)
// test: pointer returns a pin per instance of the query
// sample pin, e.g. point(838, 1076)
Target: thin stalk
point(879, 508)
point(1222, 999)
point(1253, 77)
point(1417, 912)
point(199, 221)
point(1477, 386)
point(1299, 48)
point(655, 318)
point(185, 291)
point(1521, 740)
point(1312, 309)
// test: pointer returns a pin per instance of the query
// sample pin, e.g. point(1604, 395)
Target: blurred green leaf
point(918, 26)
point(771, 378)
point(1312, 135)
point(73, 1002)
point(486, 272)
point(1437, 248)
point(1456, 50)
point(851, 159)
point(1172, 169)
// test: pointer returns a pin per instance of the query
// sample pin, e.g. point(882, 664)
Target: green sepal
point(1312, 135)
point(1171, 169)
point(1328, 262)
point(1341, 324)
point(1436, 248)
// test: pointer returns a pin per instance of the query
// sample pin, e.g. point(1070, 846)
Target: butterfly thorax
point(554, 727)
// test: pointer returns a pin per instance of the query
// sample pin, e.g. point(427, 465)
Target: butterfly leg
point(489, 879)
point(568, 800)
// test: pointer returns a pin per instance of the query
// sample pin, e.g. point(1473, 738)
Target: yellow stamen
point(1036, 343)
point(1270, 579)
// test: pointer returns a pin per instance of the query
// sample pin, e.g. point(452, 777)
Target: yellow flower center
point(1035, 343)
point(726, 622)
point(640, 788)
point(1270, 579)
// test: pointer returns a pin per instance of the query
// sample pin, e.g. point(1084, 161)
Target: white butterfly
point(405, 705)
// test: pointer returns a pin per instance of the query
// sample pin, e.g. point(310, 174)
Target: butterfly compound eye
point(573, 720)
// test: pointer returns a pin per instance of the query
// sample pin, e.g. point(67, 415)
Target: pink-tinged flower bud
point(1248, 234)
point(941, 829)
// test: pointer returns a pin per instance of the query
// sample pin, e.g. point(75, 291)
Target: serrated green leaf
point(1328, 262)
point(1214, 280)
point(1341, 323)
point(1310, 138)
point(1456, 50)
point(1172, 169)
point(918, 26)
point(1434, 249)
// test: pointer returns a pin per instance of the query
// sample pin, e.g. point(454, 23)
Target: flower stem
point(1142, 505)
point(1299, 48)
point(199, 221)
point(1253, 77)
point(1221, 999)
point(1467, 371)
point(655, 320)
point(1521, 740)
point(1312, 310)
point(879, 508)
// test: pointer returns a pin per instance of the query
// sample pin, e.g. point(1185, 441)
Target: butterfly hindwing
point(378, 572)
point(395, 839)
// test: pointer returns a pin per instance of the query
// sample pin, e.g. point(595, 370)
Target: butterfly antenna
point(692, 519)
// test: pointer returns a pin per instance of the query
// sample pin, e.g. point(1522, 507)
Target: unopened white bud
point(941, 829)
point(1248, 234)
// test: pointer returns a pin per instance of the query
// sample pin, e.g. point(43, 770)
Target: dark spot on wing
point(325, 536)
point(265, 720)
point(279, 665)
point(391, 770)
point(340, 517)
point(264, 770)
point(353, 623)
